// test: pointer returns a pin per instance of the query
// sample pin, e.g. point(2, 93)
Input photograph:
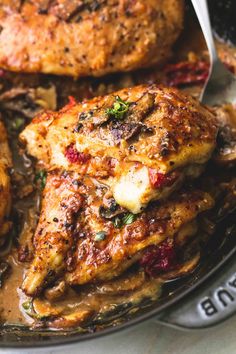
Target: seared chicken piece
point(147, 138)
point(55, 231)
point(80, 38)
point(98, 261)
point(87, 237)
point(5, 192)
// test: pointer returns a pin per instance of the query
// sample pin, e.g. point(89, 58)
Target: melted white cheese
point(133, 189)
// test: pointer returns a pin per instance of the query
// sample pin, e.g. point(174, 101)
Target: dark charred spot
point(68, 225)
point(132, 148)
point(147, 130)
point(84, 115)
point(125, 131)
point(164, 151)
point(113, 205)
point(164, 146)
point(42, 6)
point(105, 212)
point(40, 232)
point(78, 127)
point(110, 209)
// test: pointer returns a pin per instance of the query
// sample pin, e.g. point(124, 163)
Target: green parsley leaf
point(118, 109)
point(17, 123)
point(100, 236)
point(27, 305)
point(127, 219)
point(29, 309)
point(42, 176)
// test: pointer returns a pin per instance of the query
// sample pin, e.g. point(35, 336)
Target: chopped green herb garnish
point(27, 305)
point(29, 309)
point(17, 123)
point(117, 222)
point(127, 219)
point(118, 109)
point(42, 176)
point(100, 236)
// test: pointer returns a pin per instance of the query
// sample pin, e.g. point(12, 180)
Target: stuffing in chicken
point(143, 141)
point(84, 236)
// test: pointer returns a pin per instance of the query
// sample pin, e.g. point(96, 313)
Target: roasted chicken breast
point(83, 236)
point(143, 141)
point(5, 192)
point(92, 37)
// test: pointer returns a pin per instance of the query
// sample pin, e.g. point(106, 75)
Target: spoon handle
point(201, 9)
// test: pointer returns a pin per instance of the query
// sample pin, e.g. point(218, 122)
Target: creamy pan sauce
point(75, 307)
point(64, 307)
point(10, 295)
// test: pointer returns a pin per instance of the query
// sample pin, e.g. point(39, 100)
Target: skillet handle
point(213, 302)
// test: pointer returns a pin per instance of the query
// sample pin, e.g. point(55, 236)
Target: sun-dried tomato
point(70, 104)
point(186, 73)
point(159, 259)
point(74, 156)
point(159, 180)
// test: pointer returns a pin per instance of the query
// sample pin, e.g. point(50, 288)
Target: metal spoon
point(220, 86)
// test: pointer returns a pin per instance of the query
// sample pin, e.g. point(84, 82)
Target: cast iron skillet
point(200, 300)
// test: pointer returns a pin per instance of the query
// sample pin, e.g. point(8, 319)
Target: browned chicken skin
point(124, 140)
point(162, 128)
point(162, 137)
point(80, 38)
point(54, 234)
point(5, 192)
point(76, 238)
